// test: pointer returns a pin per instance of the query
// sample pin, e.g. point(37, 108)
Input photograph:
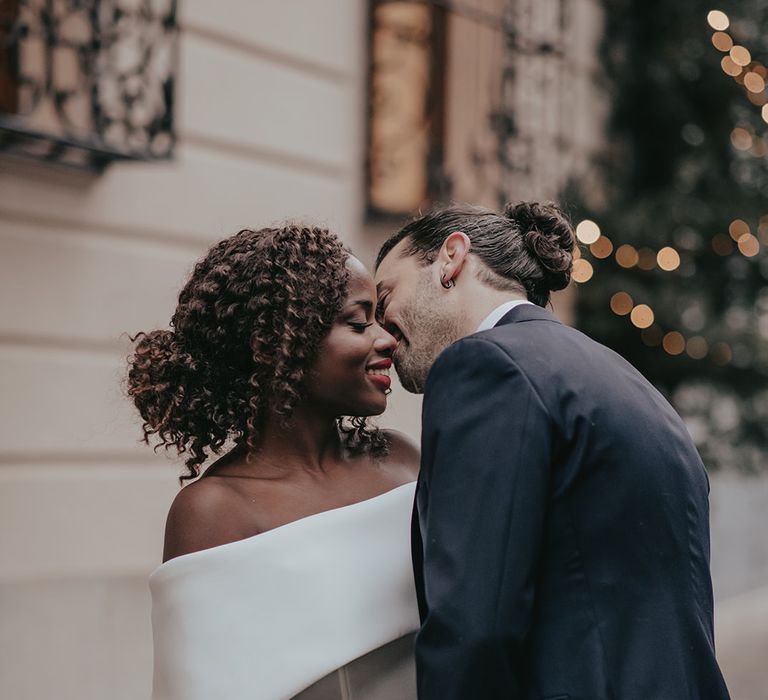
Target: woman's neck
point(310, 443)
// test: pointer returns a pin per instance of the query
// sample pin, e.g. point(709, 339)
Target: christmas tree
point(674, 244)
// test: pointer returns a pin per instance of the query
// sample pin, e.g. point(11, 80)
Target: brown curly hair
point(246, 331)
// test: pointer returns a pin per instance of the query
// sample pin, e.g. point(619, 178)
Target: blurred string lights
point(739, 240)
point(747, 72)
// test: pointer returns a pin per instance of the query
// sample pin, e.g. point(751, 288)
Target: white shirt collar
point(496, 315)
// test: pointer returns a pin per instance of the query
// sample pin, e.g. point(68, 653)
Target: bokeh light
point(749, 246)
point(722, 41)
point(674, 343)
point(717, 19)
point(764, 113)
point(722, 245)
point(757, 98)
point(740, 56)
point(601, 248)
point(759, 148)
point(652, 336)
point(722, 354)
point(762, 230)
point(587, 231)
point(642, 316)
point(668, 259)
point(582, 271)
point(621, 303)
point(697, 348)
point(741, 139)
point(754, 82)
point(646, 259)
point(729, 67)
point(626, 256)
point(737, 228)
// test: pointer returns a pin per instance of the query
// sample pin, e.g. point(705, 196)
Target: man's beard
point(430, 326)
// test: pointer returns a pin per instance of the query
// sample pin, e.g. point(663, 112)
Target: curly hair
point(246, 330)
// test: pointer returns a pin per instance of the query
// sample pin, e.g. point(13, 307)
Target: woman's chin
point(371, 408)
point(375, 411)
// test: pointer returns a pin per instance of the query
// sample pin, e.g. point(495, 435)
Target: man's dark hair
point(528, 248)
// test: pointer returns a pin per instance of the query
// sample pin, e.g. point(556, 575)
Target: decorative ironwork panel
point(468, 101)
point(87, 82)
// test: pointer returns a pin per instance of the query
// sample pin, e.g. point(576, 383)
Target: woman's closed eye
point(359, 327)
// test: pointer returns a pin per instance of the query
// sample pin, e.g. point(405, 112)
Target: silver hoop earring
point(448, 284)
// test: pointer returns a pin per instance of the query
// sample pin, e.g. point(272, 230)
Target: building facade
point(270, 123)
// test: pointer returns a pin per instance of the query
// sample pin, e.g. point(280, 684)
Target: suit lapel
point(417, 556)
point(519, 314)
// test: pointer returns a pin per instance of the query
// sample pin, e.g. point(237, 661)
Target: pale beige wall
point(740, 575)
point(270, 111)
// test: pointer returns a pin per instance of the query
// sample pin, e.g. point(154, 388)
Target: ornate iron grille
point(87, 82)
point(467, 101)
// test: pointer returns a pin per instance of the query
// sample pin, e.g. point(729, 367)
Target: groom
point(561, 544)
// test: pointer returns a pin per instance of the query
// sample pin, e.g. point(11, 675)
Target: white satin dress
point(323, 608)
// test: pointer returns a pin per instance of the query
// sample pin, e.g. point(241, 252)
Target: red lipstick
point(380, 380)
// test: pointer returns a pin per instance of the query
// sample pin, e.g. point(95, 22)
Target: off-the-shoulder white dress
point(323, 608)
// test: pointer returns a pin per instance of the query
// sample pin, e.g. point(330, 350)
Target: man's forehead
point(393, 260)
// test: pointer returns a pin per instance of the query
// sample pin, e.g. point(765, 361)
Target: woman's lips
point(380, 380)
point(378, 373)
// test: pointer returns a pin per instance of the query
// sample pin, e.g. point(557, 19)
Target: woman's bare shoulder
point(403, 452)
point(204, 514)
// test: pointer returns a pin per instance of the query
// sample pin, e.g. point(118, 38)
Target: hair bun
point(549, 238)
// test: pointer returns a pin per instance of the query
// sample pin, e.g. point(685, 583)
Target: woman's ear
point(452, 256)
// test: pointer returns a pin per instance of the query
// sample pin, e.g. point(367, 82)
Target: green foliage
point(672, 177)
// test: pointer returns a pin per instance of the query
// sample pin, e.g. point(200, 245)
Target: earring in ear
point(448, 284)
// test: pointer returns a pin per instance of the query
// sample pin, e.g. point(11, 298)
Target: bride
point(286, 571)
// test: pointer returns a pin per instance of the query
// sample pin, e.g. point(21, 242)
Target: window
point(9, 87)
point(469, 100)
point(86, 82)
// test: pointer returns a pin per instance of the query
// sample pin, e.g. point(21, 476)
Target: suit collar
point(499, 312)
point(526, 312)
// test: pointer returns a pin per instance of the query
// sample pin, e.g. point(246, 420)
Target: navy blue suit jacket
point(561, 544)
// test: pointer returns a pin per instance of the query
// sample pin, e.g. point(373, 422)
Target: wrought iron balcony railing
point(87, 82)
